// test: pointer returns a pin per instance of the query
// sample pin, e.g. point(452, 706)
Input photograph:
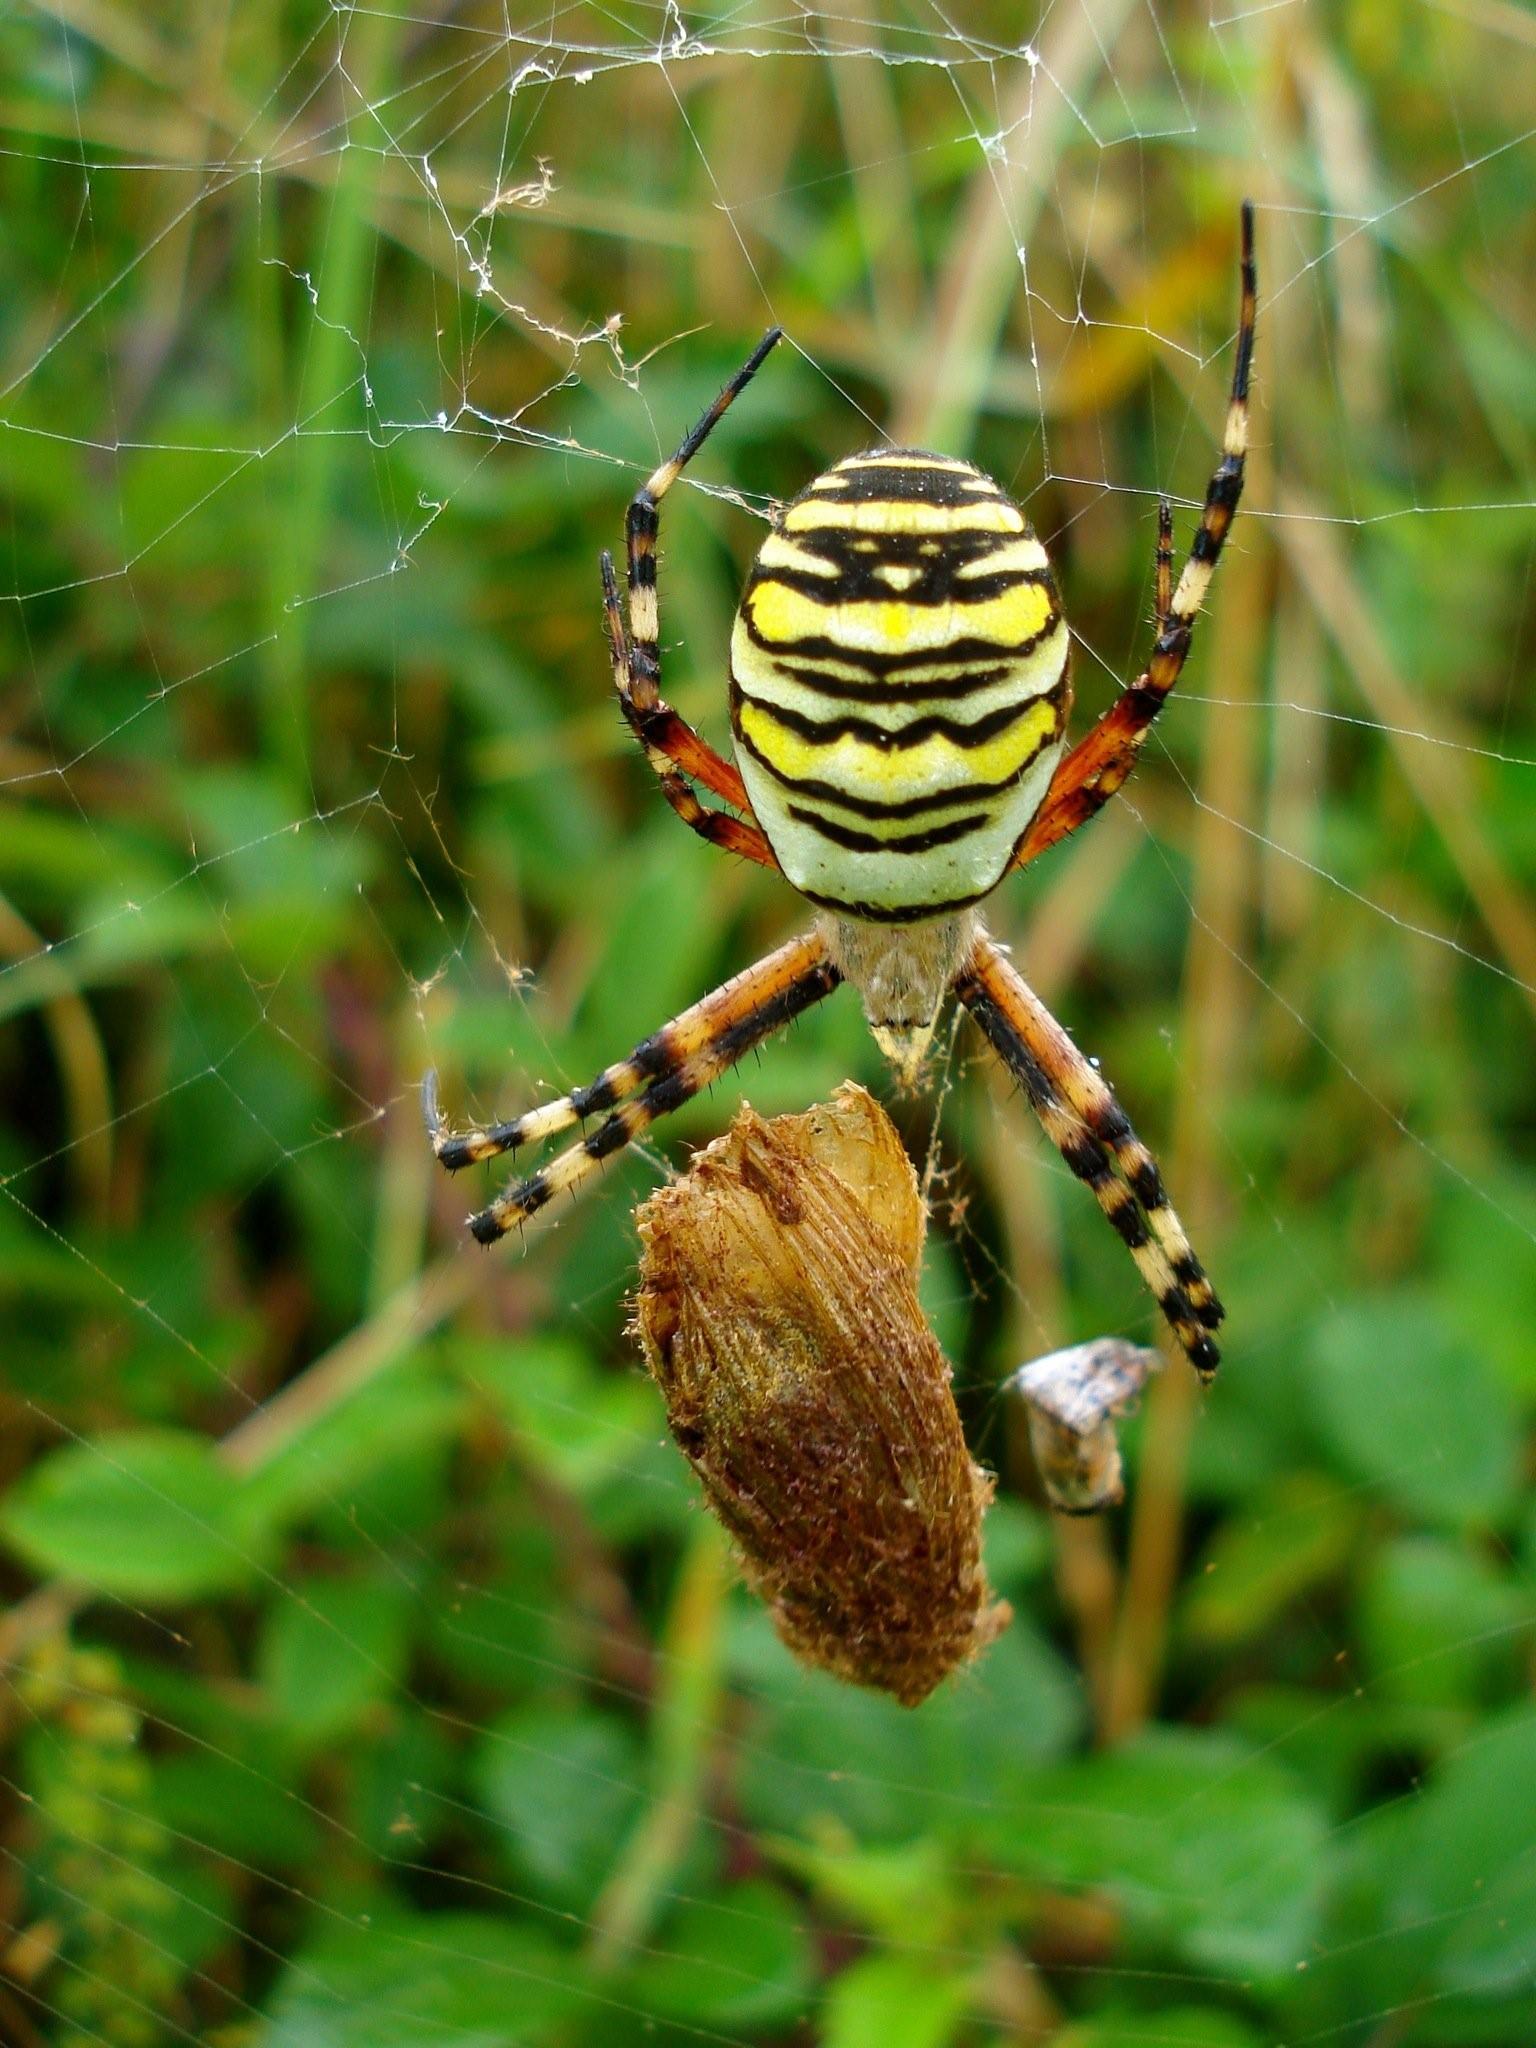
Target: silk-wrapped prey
point(778, 1311)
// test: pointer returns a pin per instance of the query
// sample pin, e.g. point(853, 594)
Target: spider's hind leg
point(1093, 1134)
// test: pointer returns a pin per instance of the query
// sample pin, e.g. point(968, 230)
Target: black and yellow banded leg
point(1091, 1131)
point(661, 1074)
point(1088, 1095)
point(455, 1150)
point(642, 524)
point(709, 1020)
point(1105, 756)
point(1163, 578)
point(678, 757)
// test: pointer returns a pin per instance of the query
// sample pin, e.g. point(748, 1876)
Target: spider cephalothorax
point(899, 694)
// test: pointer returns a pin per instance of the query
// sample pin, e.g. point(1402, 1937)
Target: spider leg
point(660, 1075)
point(1105, 756)
point(1163, 582)
point(674, 750)
point(643, 522)
point(1093, 1134)
point(671, 745)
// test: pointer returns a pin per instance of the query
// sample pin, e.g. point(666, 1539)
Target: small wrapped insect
point(1072, 1398)
point(778, 1312)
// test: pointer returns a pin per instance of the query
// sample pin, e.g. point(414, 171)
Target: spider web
point(371, 1675)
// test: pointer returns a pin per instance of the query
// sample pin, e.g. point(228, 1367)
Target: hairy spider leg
point(661, 1074)
point(1105, 756)
point(1088, 1095)
point(672, 747)
point(671, 744)
point(1093, 1134)
point(1163, 578)
point(689, 1033)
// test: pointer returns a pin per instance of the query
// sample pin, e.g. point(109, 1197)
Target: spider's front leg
point(663, 1072)
point(1105, 756)
point(1093, 1134)
point(676, 753)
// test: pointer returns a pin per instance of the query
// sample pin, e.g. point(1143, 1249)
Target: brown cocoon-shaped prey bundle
point(778, 1311)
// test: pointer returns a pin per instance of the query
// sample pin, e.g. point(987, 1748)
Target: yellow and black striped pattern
point(899, 685)
point(1093, 1134)
point(663, 1072)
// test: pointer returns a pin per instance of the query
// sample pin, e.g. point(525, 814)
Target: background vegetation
point(372, 1676)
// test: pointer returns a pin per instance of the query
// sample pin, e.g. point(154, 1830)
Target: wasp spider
point(900, 682)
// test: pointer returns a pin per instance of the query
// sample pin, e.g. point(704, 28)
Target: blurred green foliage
point(372, 1677)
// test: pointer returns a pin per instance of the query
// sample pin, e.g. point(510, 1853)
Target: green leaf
point(584, 1424)
point(825, 1751)
point(405, 1787)
point(507, 1631)
point(1016, 1542)
point(390, 1419)
point(150, 1515)
point(402, 1980)
point(1298, 1533)
point(1369, 1954)
point(598, 1432)
point(1336, 1744)
point(1491, 1951)
point(1494, 1291)
point(1215, 1852)
point(564, 1786)
point(236, 1809)
point(894, 2002)
point(1475, 1826)
point(741, 1960)
point(883, 1892)
point(1401, 1403)
point(332, 1646)
point(1179, 2026)
point(1436, 1621)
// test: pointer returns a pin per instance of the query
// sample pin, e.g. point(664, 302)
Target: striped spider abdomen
point(899, 685)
